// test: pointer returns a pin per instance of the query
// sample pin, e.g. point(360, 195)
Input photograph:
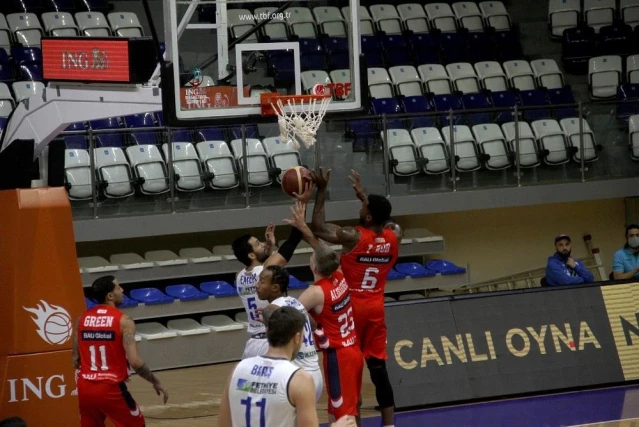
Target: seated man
point(625, 264)
point(564, 270)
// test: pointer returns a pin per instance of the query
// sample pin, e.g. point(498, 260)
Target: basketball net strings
point(303, 125)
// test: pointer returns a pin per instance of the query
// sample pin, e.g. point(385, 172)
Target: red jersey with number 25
point(366, 266)
point(102, 355)
point(336, 318)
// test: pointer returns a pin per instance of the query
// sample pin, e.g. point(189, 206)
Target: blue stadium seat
point(128, 302)
point(475, 101)
point(388, 106)
point(362, 132)
point(444, 267)
point(282, 66)
point(26, 55)
point(534, 98)
point(210, 134)
point(110, 123)
point(3, 123)
point(31, 72)
point(394, 42)
point(481, 48)
point(89, 303)
point(76, 142)
point(341, 60)
point(110, 140)
point(375, 59)
point(444, 103)
point(22, 6)
point(505, 99)
point(95, 5)
point(4, 57)
point(371, 44)
point(335, 45)
point(143, 120)
point(627, 102)
point(59, 6)
point(562, 96)
point(313, 61)
point(310, 46)
point(151, 296)
point(218, 289)
point(6, 74)
point(616, 39)
point(414, 270)
point(418, 104)
point(454, 48)
point(395, 275)
point(578, 45)
point(396, 50)
point(251, 132)
point(425, 49)
point(185, 292)
point(181, 135)
point(295, 283)
point(159, 115)
point(507, 46)
point(144, 138)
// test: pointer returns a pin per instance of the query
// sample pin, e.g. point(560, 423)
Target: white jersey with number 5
point(307, 356)
point(258, 393)
point(245, 283)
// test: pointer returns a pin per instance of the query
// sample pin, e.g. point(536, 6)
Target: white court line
point(187, 405)
point(605, 422)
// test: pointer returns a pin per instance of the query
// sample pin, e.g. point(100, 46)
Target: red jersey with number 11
point(366, 266)
point(336, 318)
point(102, 355)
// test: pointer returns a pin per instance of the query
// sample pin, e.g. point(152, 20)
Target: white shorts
point(318, 379)
point(255, 347)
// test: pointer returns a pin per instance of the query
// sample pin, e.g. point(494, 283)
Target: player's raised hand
point(159, 389)
point(356, 179)
point(320, 179)
point(298, 219)
point(269, 235)
point(306, 195)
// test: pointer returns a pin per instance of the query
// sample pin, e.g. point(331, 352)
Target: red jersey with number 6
point(336, 318)
point(102, 354)
point(369, 262)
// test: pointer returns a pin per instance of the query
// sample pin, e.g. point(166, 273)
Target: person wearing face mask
point(562, 269)
point(625, 264)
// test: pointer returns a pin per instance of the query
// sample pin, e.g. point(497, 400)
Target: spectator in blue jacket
point(564, 270)
point(625, 264)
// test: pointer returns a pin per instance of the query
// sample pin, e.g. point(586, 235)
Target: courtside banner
point(498, 345)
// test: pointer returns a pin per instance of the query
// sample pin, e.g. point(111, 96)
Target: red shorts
point(370, 326)
point(343, 380)
point(99, 401)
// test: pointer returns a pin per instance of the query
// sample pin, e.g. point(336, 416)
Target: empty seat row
point(567, 14)
point(39, 6)
point(606, 73)
point(488, 145)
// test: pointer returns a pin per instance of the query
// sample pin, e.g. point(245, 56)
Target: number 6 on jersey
point(370, 278)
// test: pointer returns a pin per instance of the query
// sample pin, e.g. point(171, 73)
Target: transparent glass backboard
point(226, 53)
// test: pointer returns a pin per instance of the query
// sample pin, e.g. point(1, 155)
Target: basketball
point(58, 328)
point(294, 180)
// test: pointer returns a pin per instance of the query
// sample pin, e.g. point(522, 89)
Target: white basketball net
point(300, 126)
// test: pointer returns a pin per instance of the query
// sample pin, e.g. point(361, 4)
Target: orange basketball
point(294, 180)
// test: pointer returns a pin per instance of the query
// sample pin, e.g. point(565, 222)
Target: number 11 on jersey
point(259, 404)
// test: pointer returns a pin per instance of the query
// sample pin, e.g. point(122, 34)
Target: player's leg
point(375, 355)
point(90, 402)
point(255, 347)
point(121, 408)
point(350, 379)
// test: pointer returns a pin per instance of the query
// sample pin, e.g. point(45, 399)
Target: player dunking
point(369, 252)
point(103, 348)
point(269, 390)
point(272, 287)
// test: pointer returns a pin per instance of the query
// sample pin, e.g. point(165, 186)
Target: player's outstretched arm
point(312, 299)
point(301, 392)
point(224, 416)
point(298, 220)
point(269, 239)
point(76, 350)
point(135, 360)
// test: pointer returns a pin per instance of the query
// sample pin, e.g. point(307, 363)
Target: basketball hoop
point(297, 124)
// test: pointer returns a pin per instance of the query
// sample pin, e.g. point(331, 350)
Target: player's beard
point(262, 257)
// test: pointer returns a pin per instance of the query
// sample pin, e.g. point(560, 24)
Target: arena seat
point(125, 24)
point(599, 13)
point(507, 46)
point(395, 275)
point(76, 142)
point(412, 296)
point(389, 298)
point(365, 20)
point(418, 104)
point(282, 155)
point(128, 302)
point(114, 172)
point(218, 289)
point(463, 77)
point(547, 73)
point(186, 164)
point(239, 23)
point(632, 69)
point(528, 150)
point(491, 75)
point(130, 261)
point(468, 16)
point(444, 267)
point(402, 152)
point(441, 16)
point(340, 76)
point(32, 72)
point(221, 323)
point(436, 79)
point(219, 161)
point(25, 89)
point(633, 134)
point(465, 148)
point(26, 28)
point(616, 39)
point(154, 331)
point(5, 34)
point(413, 270)
point(425, 48)
point(226, 251)
point(552, 141)
point(313, 77)
point(90, 303)
point(413, 17)
point(491, 141)
point(505, 99)
point(148, 168)
point(604, 75)
point(59, 5)
point(406, 80)
point(520, 74)
point(210, 134)
point(59, 24)
point(300, 21)
point(295, 283)
point(7, 104)
point(445, 103)
point(571, 128)
point(534, 98)
point(198, 255)
point(476, 101)
point(379, 83)
point(629, 12)
point(330, 21)
point(578, 44)
point(93, 24)
point(495, 15)
point(373, 51)
point(562, 96)
point(431, 147)
point(185, 292)
point(388, 106)
point(257, 161)
point(481, 47)
point(185, 327)
point(386, 18)
point(164, 258)
point(150, 296)
point(242, 317)
point(562, 15)
point(95, 5)
point(454, 48)
point(77, 168)
point(95, 264)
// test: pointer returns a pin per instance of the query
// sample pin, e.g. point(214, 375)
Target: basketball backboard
point(224, 53)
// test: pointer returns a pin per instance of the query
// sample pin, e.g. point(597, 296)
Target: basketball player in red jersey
point(369, 252)
point(103, 349)
point(329, 303)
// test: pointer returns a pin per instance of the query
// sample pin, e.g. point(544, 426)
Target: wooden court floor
point(195, 393)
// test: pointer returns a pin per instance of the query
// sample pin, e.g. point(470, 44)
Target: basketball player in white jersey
point(273, 287)
point(270, 390)
point(256, 255)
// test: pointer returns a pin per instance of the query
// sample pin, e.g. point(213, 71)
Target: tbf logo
point(54, 323)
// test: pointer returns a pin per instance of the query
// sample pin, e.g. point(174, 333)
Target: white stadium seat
point(147, 163)
point(5, 34)
point(198, 255)
point(520, 74)
point(401, 150)
point(242, 317)
point(313, 77)
point(629, 12)
point(114, 172)
point(599, 13)
point(468, 15)
point(571, 128)
point(632, 69)
point(604, 75)
point(164, 258)
point(491, 141)
point(130, 261)
point(414, 17)
point(125, 24)
point(342, 76)
point(562, 15)
point(24, 90)
point(528, 152)
point(154, 331)
point(406, 80)
point(93, 24)
point(257, 161)
point(553, 139)
point(386, 18)
point(187, 327)
point(547, 73)
point(436, 79)
point(330, 21)
point(26, 28)
point(379, 83)
point(430, 146)
point(465, 148)
point(7, 104)
point(491, 76)
point(495, 15)
point(301, 22)
point(221, 323)
point(282, 155)
point(219, 161)
point(366, 26)
point(77, 168)
point(95, 264)
point(186, 164)
point(633, 133)
point(441, 16)
point(59, 24)
point(275, 29)
point(464, 77)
